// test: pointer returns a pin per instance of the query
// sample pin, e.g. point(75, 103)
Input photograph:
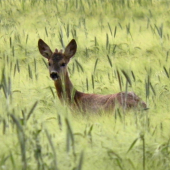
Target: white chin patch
point(55, 79)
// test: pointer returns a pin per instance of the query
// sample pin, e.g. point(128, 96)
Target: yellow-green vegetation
point(123, 45)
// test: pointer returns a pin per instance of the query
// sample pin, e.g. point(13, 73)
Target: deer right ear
point(71, 48)
point(44, 49)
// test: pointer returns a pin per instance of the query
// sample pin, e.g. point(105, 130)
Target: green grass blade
point(22, 141)
point(109, 28)
point(167, 74)
point(132, 145)
point(32, 110)
point(109, 60)
point(127, 77)
point(120, 84)
point(80, 164)
point(53, 150)
point(70, 133)
point(115, 31)
point(95, 65)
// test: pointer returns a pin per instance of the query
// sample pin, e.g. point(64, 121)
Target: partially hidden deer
point(58, 61)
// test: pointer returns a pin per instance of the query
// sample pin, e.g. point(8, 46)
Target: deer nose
point(54, 75)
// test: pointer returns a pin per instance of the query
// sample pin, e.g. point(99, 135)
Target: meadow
point(123, 45)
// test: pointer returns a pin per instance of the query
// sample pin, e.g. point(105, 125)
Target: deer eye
point(49, 64)
point(63, 64)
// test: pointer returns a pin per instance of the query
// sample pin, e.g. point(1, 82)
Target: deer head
point(58, 60)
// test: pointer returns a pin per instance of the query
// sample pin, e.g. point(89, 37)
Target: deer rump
point(97, 102)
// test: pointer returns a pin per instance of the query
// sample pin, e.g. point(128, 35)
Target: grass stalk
point(22, 141)
point(55, 165)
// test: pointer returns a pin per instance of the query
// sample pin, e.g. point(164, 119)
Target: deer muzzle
point(54, 75)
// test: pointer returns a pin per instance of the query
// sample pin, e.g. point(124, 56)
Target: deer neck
point(65, 89)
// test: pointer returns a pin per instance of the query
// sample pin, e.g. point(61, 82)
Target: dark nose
point(54, 75)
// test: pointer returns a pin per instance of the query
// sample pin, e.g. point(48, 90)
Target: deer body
point(78, 100)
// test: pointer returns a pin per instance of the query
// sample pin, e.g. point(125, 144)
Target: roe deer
point(66, 92)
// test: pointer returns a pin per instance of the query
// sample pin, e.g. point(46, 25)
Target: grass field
point(129, 38)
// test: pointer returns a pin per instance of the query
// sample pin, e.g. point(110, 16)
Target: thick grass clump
point(123, 45)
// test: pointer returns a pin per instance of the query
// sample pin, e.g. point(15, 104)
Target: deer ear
point(71, 48)
point(44, 49)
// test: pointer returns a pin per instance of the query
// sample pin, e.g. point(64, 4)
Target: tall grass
point(122, 46)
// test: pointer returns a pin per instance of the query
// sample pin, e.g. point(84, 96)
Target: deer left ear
point(44, 49)
point(71, 49)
